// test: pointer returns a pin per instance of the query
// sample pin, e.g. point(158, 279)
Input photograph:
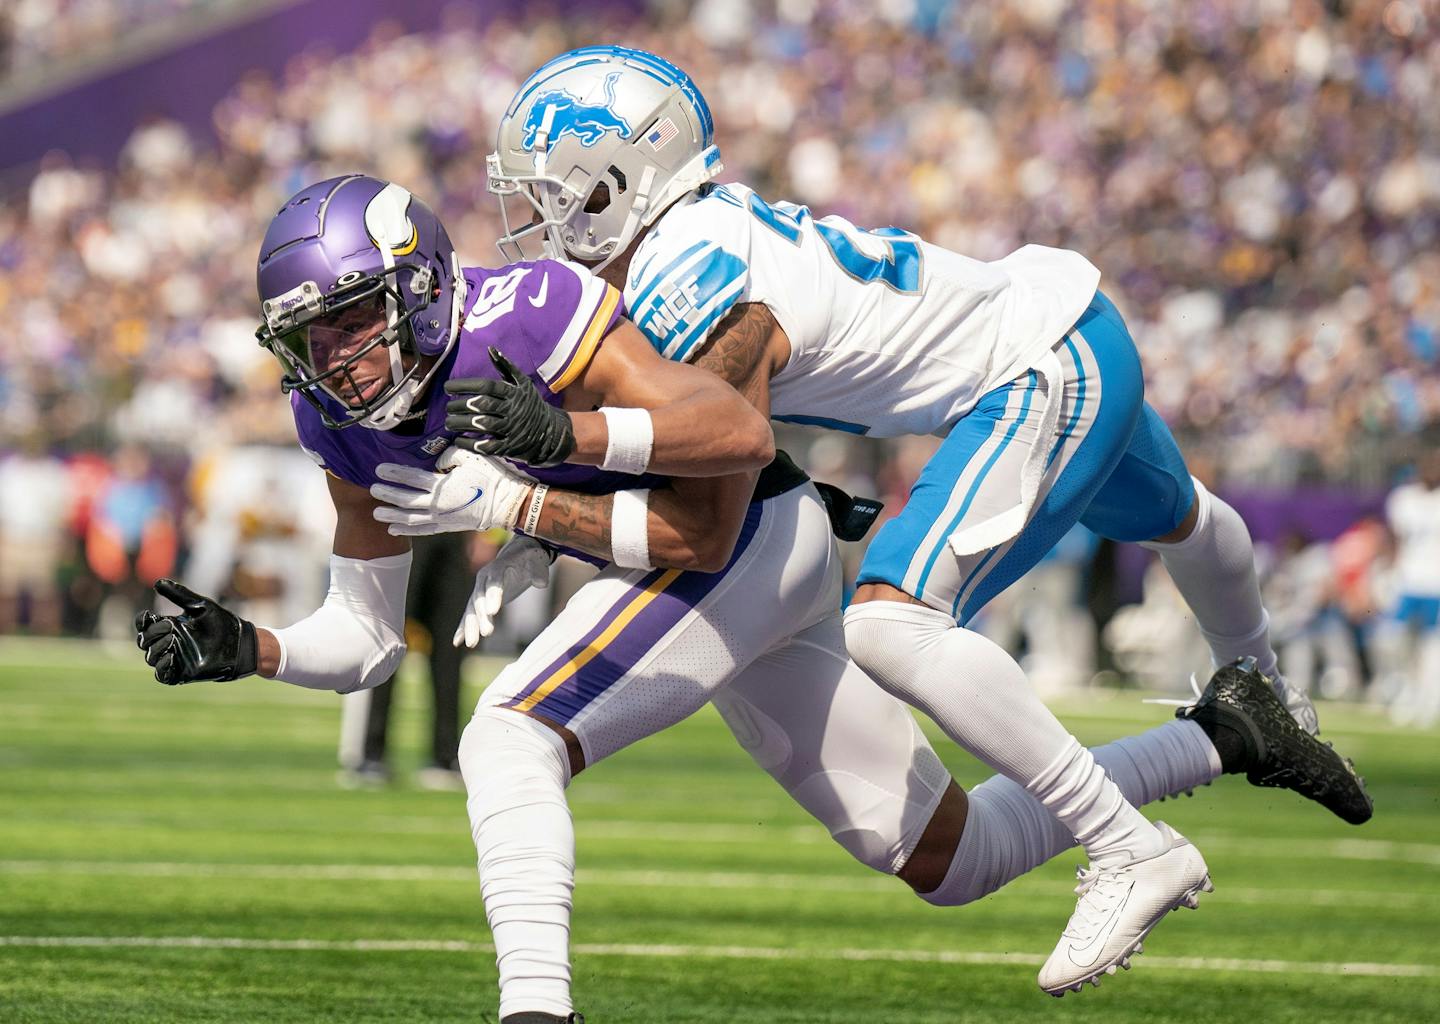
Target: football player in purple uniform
point(369, 311)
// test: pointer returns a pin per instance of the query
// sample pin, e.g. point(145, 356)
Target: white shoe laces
point(1172, 702)
point(1098, 891)
point(1296, 701)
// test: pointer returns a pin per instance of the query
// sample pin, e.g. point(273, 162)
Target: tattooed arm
point(696, 520)
point(702, 427)
point(745, 351)
point(693, 524)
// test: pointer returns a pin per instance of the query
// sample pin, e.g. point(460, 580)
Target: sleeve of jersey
point(581, 310)
point(683, 292)
point(321, 444)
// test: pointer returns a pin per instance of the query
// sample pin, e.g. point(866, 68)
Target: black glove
point(520, 424)
point(203, 642)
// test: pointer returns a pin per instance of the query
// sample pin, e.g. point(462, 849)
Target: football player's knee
point(878, 801)
point(889, 640)
point(876, 825)
point(510, 761)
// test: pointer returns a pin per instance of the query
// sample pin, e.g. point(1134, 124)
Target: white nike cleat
point(1118, 907)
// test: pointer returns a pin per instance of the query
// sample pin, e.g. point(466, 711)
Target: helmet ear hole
point(603, 193)
point(599, 199)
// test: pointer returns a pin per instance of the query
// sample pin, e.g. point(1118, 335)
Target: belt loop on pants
point(1003, 526)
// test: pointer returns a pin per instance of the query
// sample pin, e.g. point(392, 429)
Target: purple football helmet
point(348, 265)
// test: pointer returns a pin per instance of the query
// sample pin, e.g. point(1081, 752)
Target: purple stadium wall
point(92, 119)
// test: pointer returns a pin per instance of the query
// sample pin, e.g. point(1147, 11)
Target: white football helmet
point(598, 115)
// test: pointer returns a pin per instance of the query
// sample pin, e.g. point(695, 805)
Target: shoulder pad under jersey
point(691, 270)
point(547, 317)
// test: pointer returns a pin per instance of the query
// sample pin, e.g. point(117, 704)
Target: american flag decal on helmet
point(662, 133)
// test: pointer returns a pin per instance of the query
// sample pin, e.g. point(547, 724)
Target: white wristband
point(532, 514)
point(630, 530)
point(631, 438)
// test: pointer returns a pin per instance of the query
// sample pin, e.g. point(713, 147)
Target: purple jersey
point(548, 317)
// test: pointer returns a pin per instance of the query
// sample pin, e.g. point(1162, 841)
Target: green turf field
point(184, 855)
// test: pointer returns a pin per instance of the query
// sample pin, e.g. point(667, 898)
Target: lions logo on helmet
point(558, 144)
point(556, 114)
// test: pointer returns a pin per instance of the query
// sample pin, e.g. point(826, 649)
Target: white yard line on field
point(1354, 969)
point(1343, 849)
point(49, 655)
point(652, 879)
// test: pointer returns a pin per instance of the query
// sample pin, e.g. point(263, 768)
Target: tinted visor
point(343, 345)
point(338, 350)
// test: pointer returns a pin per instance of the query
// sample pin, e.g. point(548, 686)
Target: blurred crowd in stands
point(1258, 180)
point(38, 34)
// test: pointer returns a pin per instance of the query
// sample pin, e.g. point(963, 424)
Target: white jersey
point(889, 335)
point(1414, 514)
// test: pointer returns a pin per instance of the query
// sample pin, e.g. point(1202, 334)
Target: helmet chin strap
point(396, 409)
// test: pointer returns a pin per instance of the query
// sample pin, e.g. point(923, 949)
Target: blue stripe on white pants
point(910, 543)
point(1102, 400)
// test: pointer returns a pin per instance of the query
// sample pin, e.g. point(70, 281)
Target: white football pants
point(634, 652)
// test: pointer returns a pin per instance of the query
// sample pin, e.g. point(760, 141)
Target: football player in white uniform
point(363, 298)
point(1026, 370)
point(1413, 510)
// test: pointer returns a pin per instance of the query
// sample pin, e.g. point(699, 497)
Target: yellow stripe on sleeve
point(584, 657)
point(585, 351)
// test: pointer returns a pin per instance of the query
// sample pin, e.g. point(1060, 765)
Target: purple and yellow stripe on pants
point(624, 634)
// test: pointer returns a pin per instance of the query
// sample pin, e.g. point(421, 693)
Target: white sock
point(1008, 832)
point(1214, 570)
point(515, 773)
point(979, 695)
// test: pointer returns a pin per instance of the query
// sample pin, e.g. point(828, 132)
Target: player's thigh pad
point(636, 651)
point(976, 473)
point(1149, 492)
point(848, 752)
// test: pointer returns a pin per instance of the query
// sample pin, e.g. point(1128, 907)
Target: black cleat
point(1278, 752)
point(536, 1017)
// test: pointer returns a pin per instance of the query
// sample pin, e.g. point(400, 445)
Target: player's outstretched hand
point(471, 492)
point(205, 641)
point(521, 564)
point(516, 421)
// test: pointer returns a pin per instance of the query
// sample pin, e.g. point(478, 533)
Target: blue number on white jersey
point(900, 270)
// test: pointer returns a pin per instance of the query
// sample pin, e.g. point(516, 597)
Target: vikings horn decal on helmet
point(348, 265)
point(598, 116)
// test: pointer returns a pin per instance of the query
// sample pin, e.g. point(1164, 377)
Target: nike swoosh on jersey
point(639, 275)
point(1095, 946)
point(538, 299)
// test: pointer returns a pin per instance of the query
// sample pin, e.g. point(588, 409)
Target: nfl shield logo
point(435, 445)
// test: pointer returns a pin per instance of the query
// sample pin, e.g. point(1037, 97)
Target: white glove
point(471, 492)
point(521, 564)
